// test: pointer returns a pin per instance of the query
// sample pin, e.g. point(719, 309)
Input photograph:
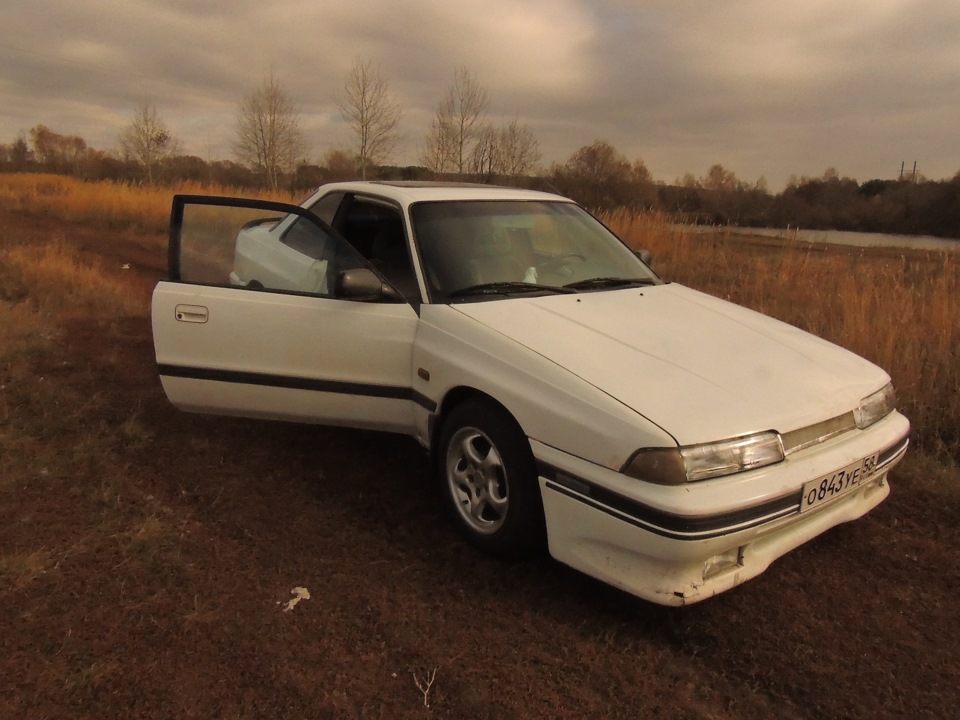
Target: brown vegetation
point(146, 555)
point(461, 144)
point(104, 204)
point(894, 307)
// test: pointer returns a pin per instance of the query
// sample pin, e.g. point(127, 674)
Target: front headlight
point(675, 466)
point(876, 406)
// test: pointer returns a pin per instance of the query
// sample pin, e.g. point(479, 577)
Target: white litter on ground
point(299, 593)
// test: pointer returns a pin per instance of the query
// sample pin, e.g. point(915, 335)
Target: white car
point(654, 437)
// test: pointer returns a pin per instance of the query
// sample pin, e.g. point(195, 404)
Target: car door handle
point(191, 313)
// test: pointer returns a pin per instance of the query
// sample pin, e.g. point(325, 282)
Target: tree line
point(269, 150)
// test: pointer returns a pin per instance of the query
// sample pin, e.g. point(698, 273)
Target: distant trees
point(719, 178)
point(18, 154)
point(600, 178)
point(55, 152)
point(338, 165)
point(463, 142)
point(508, 151)
point(597, 175)
point(147, 140)
point(268, 134)
point(50, 151)
point(371, 113)
point(894, 206)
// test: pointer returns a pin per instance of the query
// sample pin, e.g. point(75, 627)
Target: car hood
point(701, 368)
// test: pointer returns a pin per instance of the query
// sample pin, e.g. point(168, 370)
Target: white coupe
point(654, 437)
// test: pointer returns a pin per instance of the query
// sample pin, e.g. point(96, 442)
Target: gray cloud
point(764, 88)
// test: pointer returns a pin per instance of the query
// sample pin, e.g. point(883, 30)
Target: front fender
point(552, 405)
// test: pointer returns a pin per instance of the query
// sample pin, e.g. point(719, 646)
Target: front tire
point(488, 478)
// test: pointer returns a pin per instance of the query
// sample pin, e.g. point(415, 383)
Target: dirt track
point(160, 549)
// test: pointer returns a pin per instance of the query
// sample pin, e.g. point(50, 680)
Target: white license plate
point(845, 480)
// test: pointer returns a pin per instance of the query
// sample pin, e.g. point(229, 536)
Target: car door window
point(326, 207)
point(375, 229)
point(240, 245)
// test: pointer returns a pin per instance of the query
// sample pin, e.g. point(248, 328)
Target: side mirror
point(363, 285)
point(646, 257)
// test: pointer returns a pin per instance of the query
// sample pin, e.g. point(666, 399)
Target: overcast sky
point(766, 88)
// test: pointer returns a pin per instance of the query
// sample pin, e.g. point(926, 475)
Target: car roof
point(408, 192)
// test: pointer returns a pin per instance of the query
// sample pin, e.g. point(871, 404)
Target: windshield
point(485, 248)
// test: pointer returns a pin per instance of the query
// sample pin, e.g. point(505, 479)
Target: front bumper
point(679, 545)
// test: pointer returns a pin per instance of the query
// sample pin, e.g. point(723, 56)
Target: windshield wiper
point(609, 282)
point(506, 288)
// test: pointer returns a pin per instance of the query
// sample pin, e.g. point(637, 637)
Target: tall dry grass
point(107, 204)
point(59, 282)
point(899, 311)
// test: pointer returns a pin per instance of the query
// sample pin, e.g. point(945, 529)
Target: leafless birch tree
point(268, 137)
point(457, 125)
point(371, 113)
point(147, 140)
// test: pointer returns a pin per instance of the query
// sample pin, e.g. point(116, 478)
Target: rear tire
point(488, 479)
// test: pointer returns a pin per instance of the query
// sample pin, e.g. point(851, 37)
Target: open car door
point(268, 313)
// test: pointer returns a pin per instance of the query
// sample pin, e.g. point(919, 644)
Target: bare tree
point(147, 140)
point(457, 124)
point(371, 113)
point(485, 155)
point(519, 149)
point(269, 138)
point(436, 151)
point(511, 150)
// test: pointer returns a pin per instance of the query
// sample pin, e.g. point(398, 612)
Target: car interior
point(376, 231)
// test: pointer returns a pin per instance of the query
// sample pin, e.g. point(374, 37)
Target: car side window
point(222, 243)
point(303, 236)
point(375, 230)
point(326, 207)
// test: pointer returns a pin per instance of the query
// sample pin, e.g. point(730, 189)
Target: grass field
point(146, 554)
point(117, 206)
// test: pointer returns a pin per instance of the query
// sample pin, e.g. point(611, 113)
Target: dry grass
point(896, 310)
point(62, 283)
point(107, 204)
point(25, 337)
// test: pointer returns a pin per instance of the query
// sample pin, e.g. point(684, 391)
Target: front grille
point(797, 440)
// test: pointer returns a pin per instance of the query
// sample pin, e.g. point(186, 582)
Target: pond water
point(858, 239)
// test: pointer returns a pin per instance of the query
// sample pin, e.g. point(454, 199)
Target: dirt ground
point(148, 556)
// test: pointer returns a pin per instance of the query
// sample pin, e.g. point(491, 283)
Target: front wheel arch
point(495, 503)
